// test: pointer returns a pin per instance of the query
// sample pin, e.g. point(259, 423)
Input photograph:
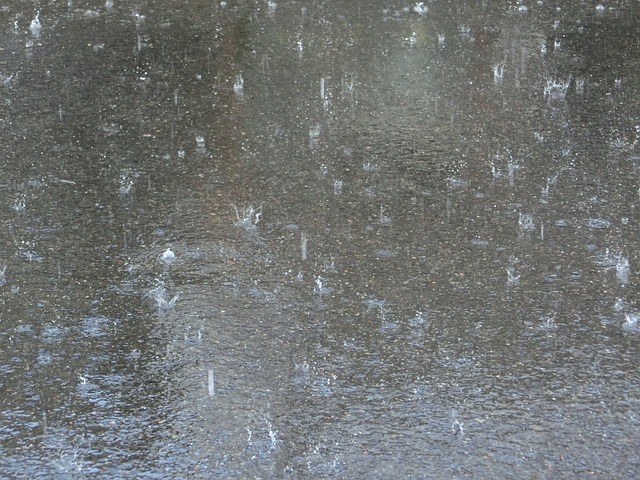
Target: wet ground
point(319, 239)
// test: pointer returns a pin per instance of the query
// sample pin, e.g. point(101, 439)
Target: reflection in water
point(248, 239)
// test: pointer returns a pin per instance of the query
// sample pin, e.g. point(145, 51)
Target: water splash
point(159, 294)
point(556, 89)
point(321, 288)
point(412, 40)
point(36, 27)
point(126, 184)
point(526, 223)
point(631, 322)
point(622, 269)
point(384, 219)
point(19, 204)
point(248, 217)
point(370, 167)
point(238, 86)
point(314, 136)
point(420, 8)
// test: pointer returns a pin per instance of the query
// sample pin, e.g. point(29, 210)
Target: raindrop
point(303, 244)
point(498, 73)
point(212, 387)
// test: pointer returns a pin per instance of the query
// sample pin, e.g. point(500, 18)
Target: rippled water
point(254, 239)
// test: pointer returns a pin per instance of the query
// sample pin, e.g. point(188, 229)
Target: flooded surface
point(319, 239)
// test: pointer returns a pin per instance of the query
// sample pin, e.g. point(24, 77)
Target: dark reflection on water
point(319, 240)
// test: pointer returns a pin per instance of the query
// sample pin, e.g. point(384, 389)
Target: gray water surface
point(319, 239)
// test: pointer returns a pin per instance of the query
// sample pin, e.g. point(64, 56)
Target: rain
point(319, 239)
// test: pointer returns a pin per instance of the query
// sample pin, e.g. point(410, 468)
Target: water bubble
point(168, 256)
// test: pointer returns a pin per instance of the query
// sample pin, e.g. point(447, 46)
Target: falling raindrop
point(212, 387)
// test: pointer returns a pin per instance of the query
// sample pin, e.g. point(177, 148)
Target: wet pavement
point(319, 239)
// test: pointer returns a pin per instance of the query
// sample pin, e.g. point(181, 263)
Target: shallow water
point(403, 245)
